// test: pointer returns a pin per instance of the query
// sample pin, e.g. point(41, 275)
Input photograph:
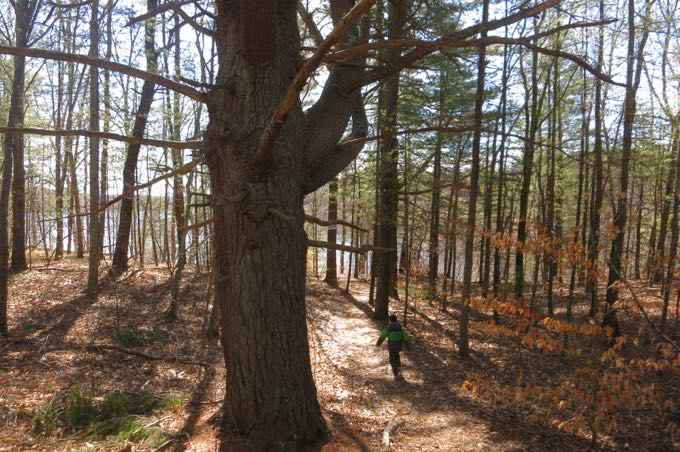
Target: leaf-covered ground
point(123, 343)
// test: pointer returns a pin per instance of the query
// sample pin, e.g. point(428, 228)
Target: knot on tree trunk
point(256, 204)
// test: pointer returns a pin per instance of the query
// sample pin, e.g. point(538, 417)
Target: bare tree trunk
point(120, 256)
point(177, 189)
point(670, 269)
point(95, 239)
point(579, 197)
point(433, 249)
point(638, 229)
point(59, 167)
point(5, 189)
point(463, 339)
point(104, 170)
point(633, 72)
point(389, 185)
point(331, 259)
point(24, 13)
point(660, 254)
point(598, 179)
point(551, 252)
point(500, 226)
point(533, 122)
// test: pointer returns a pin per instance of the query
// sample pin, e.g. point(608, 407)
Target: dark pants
point(395, 361)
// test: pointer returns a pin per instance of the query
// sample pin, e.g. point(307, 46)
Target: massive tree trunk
point(258, 209)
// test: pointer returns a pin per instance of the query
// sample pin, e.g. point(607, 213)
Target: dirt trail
point(361, 399)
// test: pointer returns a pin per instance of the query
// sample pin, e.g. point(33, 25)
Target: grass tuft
point(130, 337)
point(118, 418)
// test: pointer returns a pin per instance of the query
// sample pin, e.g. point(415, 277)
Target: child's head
point(393, 318)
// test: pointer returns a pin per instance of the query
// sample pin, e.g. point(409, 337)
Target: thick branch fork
point(291, 97)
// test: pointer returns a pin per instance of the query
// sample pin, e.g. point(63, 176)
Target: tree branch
point(351, 249)
point(184, 169)
point(449, 42)
point(419, 53)
point(158, 10)
point(320, 222)
point(104, 64)
point(309, 22)
point(104, 135)
point(491, 40)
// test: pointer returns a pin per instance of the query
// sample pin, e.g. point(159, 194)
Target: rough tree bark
point(533, 122)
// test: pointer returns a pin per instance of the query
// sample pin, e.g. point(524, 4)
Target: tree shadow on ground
point(195, 405)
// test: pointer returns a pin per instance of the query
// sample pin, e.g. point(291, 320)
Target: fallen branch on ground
point(127, 351)
point(386, 434)
point(656, 330)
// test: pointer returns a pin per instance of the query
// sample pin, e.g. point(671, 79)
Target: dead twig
point(127, 351)
point(649, 321)
point(386, 434)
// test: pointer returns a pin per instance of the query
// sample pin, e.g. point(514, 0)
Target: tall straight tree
point(120, 255)
point(94, 233)
point(25, 15)
point(463, 339)
point(177, 187)
point(597, 174)
point(533, 121)
point(13, 150)
point(331, 262)
point(634, 60)
point(388, 153)
point(435, 202)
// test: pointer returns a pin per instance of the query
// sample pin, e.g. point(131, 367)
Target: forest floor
point(116, 375)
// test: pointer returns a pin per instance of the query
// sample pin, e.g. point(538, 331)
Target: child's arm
point(383, 336)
